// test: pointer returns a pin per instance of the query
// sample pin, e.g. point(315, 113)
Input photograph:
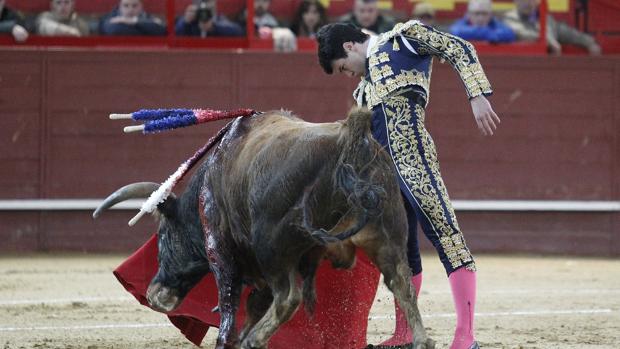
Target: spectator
point(129, 18)
point(201, 19)
point(12, 22)
point(262, 17)
point(425, 13)
point(62, 20)
point(309, 17)
point(366, 15)
point(266, 27)
point(525, 23)
point(479, 23)
point(284, 39)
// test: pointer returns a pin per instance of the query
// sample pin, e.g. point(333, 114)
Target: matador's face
point(354, 64)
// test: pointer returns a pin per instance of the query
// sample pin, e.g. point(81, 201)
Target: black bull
point(255, 212)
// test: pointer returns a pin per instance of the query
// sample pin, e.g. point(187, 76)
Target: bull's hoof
point(249, 344)
point(427, 344)
point(228, 346)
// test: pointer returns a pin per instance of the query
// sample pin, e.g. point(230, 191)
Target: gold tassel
point(395, 45)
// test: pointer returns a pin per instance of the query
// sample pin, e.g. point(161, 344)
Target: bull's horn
point(130, 191)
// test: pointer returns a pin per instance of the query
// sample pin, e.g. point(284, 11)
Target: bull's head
point(182, 257)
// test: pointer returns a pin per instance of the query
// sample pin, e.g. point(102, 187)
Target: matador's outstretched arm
point(458, 52)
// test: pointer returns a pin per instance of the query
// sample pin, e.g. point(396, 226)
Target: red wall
point(558, 139)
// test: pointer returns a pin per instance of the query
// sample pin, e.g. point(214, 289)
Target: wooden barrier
point(558, 139)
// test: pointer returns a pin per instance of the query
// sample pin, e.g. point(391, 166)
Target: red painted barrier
point(559, 138)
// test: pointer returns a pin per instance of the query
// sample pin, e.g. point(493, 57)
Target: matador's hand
point(484, 114)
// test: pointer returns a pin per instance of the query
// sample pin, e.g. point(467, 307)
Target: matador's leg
point(413, 152)
point(402, 332)
point(403, 335)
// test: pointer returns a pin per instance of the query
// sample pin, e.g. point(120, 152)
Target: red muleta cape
point(344, 298)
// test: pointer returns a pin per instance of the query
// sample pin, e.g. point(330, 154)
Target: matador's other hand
point(484, 114)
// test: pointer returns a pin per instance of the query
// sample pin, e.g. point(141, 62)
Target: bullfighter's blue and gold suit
point(396, 89)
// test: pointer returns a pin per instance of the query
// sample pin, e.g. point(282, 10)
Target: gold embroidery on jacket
point(373, 61)
point(376, 91)
point(375, 73)
point(404, 137)
point(361, 92)
point(458, 52)
point(384, 57)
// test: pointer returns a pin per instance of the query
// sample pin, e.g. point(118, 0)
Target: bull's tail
point(353, 175)
point(363, 198)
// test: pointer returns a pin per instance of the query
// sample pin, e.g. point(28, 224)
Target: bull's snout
point(162, 298)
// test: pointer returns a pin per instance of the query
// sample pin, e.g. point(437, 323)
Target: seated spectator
point(262, 17)
point(480, 24)
point(309, 17)
point(284, 39)
point(62, 20)
point(366, 15)
point(12, 23)
point(201, 19)
point(524, 22)
point(425, 13)
point(129, 18)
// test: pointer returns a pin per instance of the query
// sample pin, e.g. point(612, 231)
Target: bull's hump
point(279, 123)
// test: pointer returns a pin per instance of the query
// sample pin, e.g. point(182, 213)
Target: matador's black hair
point(331, 37)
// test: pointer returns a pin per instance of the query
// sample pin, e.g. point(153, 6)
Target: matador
point(395, 71)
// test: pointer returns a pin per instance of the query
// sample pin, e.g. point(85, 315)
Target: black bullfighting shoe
point(475, 345)
point(402, 346)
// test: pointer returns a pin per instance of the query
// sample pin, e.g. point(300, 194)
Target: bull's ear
point(168, 208)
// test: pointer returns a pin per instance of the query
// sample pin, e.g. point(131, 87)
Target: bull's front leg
point(286, 300)
point(256, 306)
point(390, 260)
point(228, 278)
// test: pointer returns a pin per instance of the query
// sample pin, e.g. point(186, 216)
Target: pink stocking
point(463, 285)
point(402, 332)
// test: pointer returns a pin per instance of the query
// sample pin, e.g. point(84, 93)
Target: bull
point(274, 197)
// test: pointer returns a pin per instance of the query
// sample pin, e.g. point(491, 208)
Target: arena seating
point(602, 22)
point(283, 9)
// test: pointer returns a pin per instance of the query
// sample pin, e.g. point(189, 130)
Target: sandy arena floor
point(523, 302)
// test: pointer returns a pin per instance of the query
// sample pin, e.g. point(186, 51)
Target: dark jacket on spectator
point(222, 26)
point(382, 25)
point(266, 20)
point(8, 19)
point(527, 29)
point(495, 31)
point(147, 25)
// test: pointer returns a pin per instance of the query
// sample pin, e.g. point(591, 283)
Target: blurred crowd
point(202, 19)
